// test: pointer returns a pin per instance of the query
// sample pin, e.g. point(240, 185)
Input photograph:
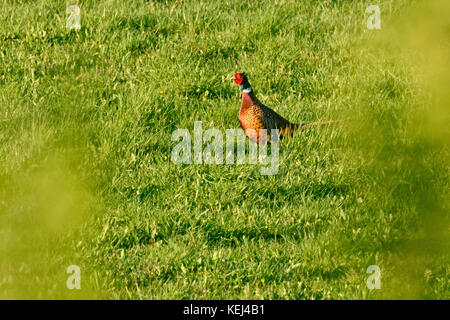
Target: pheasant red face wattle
point(238, 78)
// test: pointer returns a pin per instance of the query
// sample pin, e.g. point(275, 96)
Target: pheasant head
point(242, 80)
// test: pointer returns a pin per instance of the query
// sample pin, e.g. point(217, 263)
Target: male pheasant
point(255, 116)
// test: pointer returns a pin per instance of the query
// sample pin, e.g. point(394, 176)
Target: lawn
point(86, 177)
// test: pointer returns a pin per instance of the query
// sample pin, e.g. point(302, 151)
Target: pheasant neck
point(248, 96)
point(246, 90)
point(248, 99)
point(246, 87)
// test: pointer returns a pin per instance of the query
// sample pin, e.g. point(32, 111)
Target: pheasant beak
point(233, 78)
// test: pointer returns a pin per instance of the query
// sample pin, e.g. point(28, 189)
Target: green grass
point(86, 178)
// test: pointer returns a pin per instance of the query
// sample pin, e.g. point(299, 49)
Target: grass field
point(86, 179)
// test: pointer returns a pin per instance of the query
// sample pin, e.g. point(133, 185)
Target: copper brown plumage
point(254, 116)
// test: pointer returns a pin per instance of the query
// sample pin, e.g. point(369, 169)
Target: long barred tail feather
point(304, 126)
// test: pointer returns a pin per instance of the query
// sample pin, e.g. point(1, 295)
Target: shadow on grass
point(314, 190)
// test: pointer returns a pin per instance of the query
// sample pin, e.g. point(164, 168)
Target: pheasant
point(255, 116)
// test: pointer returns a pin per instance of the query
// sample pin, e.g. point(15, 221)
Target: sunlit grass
point(85, 124)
